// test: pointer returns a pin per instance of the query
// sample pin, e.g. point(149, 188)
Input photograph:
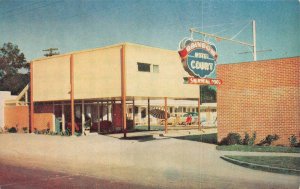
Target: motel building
point(113, 88)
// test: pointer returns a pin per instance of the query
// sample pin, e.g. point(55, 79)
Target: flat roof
point(98, 48)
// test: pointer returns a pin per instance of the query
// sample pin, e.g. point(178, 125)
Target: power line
point(30, 10)
point(240, 31)
point(20, 7)
point(224, 24)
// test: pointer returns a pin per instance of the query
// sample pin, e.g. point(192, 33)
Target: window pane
point(155, 68)
point(142, 67)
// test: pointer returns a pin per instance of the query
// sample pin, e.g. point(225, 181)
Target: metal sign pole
point(254, 39)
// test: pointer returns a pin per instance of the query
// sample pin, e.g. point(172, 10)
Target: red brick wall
point(260, 96)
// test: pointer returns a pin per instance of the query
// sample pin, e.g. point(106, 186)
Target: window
point(155, 68)
point(136, 110)
point(142, 67)
point(184, 109)
point(143, 113)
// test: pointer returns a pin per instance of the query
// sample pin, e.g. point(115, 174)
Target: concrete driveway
point(161, 162)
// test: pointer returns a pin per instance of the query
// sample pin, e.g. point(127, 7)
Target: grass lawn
point(245, 148)
point(282, 162)
point(273, 161)
point(206, 138)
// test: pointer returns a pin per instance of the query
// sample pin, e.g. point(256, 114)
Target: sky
point(73, 25)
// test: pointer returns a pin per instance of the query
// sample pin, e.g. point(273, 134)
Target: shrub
point(25, 129)
point(12, 130)
point(293, 141)
point(268, 140)
point(246, 139)
point(249, 140)
point(231, 139)
point(252, 139)
point(67, 132)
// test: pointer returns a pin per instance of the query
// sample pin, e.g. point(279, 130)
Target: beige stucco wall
point(51, 78)
point(97, 74)
point(167, 83)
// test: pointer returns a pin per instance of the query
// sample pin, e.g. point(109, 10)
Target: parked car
point(171, 121)
point(192, 120)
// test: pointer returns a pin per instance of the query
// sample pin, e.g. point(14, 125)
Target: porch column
point(148, 114)
point(31, 99)
point(98, 116)
point(133, 113)
point(26, 97)
point(123, 89)
point(82, 117)
point(102, 110)
point(72, 93)
point(166, 116)
point(107, 113)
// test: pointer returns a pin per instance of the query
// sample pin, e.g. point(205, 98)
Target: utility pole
point(51, 52)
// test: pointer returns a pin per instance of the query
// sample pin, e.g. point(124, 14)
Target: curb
point(261, 167)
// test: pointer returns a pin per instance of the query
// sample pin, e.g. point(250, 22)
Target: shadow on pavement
point(206, 138)
point(143, 138)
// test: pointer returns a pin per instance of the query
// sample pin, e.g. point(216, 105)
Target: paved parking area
point(28, 178)
point(163, 162)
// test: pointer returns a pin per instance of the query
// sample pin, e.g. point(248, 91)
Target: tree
point(13, 69)
point(208, 94)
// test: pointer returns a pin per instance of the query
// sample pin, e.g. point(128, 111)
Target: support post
point(107, 113)
point(254, 39)
point(148, 114)
point(123, 90)
point(98, 116)
point(199, 116)
point(133, 113)
point(166, 116)
point(82, 117)
point(72, 93)
point(102, 110)
point(31, 99)
point(26, 98)
point(112, 113)
point(63, 122)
